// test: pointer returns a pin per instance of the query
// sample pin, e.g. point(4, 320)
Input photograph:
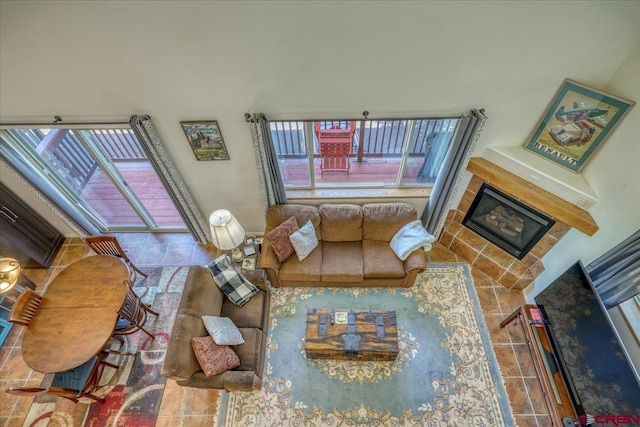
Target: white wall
point(614, 174)
point(218, 60)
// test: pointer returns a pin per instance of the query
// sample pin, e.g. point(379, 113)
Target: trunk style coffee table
point(351, 334)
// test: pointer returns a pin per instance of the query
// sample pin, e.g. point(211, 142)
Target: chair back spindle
point(25, 307)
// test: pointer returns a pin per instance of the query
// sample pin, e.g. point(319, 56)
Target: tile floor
point(192, 407)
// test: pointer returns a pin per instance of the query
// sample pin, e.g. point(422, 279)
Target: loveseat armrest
point(180, 362)
point(241, 381)
point(269, 262)
point(257, 277)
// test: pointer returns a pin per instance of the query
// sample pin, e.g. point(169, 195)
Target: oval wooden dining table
point(77, 315)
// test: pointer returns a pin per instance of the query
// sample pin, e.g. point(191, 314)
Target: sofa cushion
point(380, 261)
point(308, 270)
point(341, 222)
point(278, 213)
point(200, 294)
point(279, 238)
point(222, 330)
point(304, 240)
point(342, 262)
point(214, 359)
point(180, 362)
point(253, 314)
point(251, 353)
point(382, 221)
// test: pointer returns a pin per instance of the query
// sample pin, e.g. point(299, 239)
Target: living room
point(93, 62)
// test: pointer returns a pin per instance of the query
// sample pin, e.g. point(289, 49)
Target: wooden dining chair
point(74, 384)
point(109, 245)
point(133, 314)
point(25, 307)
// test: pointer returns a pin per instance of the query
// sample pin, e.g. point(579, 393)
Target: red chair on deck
point(335, 140)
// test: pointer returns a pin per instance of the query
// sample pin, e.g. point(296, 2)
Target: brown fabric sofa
point(353, 248)
point(201, 297)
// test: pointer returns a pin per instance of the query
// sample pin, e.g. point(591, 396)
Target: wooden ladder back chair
point(133, 314)
point(109, 245)
point(25, 307)
point(73, 384)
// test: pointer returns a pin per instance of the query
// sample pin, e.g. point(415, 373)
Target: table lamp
point(9, 273)
point(227, 233)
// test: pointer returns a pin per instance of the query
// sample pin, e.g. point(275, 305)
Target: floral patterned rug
point(446, 373)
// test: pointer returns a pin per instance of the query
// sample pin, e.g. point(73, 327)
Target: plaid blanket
point(231, 281)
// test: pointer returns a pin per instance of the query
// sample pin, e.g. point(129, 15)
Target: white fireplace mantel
point(568, 185)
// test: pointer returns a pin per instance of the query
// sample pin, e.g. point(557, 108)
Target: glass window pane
point(290, 146)
point(429, 144)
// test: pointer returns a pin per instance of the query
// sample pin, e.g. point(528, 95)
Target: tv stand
point(545, 361)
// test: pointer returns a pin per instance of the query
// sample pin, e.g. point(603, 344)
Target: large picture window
point(361, 153)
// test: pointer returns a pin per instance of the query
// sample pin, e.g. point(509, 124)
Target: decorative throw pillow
point(409, 238)
point(222, 330)
point(304, 240)
point(214, 359)
point(231, 282)
point(279, 238)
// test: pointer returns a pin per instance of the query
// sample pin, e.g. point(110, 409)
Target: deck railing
point(373, 138)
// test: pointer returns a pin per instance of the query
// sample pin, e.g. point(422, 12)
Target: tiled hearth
point(490, 259)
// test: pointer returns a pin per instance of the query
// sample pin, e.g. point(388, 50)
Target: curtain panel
point(269, 176)
point(616, 274)
point(446, 184)
point(178, 191)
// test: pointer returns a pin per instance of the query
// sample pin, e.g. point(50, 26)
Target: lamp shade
point(9, 273)
point(226, 231)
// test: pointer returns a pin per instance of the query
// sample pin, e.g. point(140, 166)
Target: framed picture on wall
point(206, 140)
point(577, 121)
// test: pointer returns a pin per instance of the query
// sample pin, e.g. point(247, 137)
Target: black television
point(597, 368)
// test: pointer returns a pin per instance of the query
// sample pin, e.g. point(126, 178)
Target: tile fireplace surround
point(496, 263)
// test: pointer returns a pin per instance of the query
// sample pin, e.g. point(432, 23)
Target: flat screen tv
point(590, 354)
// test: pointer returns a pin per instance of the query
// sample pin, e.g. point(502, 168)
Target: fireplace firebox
point(506, 222)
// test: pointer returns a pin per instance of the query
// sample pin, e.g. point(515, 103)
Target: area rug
point(446, 373)
point(134, 392)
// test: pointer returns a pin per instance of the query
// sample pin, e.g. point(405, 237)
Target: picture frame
point(249, 264)
point(576, 123)
point(205, 140)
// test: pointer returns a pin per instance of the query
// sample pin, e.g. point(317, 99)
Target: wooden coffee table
point(366, 335)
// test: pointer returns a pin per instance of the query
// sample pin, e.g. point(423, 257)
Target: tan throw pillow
point(214, 359)
point(279, 238)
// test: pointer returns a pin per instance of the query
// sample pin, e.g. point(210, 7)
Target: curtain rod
point(248, 117)
point(57, 121)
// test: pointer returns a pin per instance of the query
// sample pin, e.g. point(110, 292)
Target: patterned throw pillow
point(279, 238)
point(214, 359)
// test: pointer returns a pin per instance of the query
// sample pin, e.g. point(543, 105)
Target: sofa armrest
point(180, 362)
point(257, 277)
point(269, 262)
point(416, 260)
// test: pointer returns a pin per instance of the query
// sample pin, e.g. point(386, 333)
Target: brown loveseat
point(202, 297)
point(353, 248)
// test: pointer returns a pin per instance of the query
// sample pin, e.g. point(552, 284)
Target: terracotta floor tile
point(518, 396)
point(527, 421)
point(525, 360)
point(200, 401)
point(168, 421)
point(439, 253)
point(507, 360)
point(536, 396)
point(488, 300)
point(178, 254)
point(498, 335)
point(14, 367)
point(172, 400)
point(509, 300)
point(199, 421)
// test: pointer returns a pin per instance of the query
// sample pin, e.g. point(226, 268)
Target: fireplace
point(504, 221)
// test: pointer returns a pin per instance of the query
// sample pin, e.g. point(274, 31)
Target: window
point(398, 153)
point(100, 176)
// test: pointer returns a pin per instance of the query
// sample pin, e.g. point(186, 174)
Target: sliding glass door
point(103, 172)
